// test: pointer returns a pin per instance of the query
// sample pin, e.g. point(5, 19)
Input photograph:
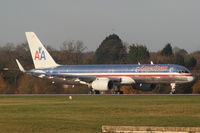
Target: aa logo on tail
point(40, 54)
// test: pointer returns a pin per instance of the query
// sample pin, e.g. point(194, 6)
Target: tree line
point(112, 50)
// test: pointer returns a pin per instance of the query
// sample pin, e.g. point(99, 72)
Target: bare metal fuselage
point(158, 73)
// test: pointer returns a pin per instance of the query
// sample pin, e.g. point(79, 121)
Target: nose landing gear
point(173, 85)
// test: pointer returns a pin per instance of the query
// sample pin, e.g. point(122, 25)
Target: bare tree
point(72, 51)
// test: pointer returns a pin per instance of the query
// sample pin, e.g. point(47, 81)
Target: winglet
point(20, 66)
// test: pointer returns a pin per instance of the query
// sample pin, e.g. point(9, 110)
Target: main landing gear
point(173, 85)
point(116, 90)
point(94, 92)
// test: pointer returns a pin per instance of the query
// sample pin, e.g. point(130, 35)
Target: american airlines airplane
point(103, 77)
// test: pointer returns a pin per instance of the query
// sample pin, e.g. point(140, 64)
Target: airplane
point(103, 77)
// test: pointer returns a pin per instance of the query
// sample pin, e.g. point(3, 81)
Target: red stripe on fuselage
point(136, 75)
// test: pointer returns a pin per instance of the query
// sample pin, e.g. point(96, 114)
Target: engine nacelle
point(102, 84)
point(145, 87)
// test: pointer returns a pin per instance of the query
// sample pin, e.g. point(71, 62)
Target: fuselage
point(147, 73)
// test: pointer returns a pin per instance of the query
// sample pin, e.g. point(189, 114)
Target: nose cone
point(190, 79)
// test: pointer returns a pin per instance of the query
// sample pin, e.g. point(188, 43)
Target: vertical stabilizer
point(41, 57)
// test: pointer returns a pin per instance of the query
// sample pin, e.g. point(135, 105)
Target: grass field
point(86, 114)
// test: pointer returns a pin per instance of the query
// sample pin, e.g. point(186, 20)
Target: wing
point(89, 79)
point(72, 79)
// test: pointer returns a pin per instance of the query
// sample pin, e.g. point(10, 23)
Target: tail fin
point(41, 57)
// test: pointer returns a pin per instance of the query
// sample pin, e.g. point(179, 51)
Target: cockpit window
point(183, 71)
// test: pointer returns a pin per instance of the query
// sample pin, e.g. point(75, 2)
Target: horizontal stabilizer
point(20, 66)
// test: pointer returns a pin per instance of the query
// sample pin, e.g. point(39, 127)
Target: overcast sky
point(150, 22)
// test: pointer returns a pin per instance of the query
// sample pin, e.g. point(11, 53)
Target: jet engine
point(145, 87)
point(102, 84)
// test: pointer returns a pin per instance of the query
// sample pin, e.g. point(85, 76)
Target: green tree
point(191, 62)
point(167, 50)
point(179, 59)
point(137, 53)
point(110, 51)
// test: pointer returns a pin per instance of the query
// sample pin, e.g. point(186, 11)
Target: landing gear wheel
point(94, 92)
point(90, 92)
point(116, 90)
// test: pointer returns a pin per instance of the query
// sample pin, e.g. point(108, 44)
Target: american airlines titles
point(153, 68)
